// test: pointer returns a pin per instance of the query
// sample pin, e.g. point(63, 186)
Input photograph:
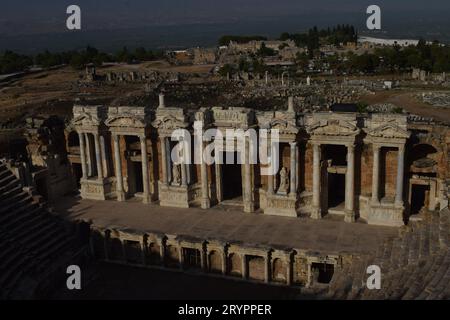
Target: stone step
point(20, 201)
point(10, 192)
point(9, 184)
point(4, 218)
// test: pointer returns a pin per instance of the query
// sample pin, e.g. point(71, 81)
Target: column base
point(146, 199)
point(95, 189)
point(121, 196)
point(249, 206)
point(350, 216)
point(316, 213)
point(206, 203)
point(386, 214)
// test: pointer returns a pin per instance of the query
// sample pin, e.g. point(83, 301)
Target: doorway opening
point(336, 190)
point(231, 177)
point(419, 195)
point(137, 174)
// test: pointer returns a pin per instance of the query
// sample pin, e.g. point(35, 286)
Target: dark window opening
point(337, 154)
point(322, 272)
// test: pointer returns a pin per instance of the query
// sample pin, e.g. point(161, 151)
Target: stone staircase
point(33, 242)
point(414, 265)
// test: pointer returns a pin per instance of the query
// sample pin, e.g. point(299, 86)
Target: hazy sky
point(173, 22)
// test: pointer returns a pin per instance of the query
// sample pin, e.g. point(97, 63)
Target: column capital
point(401, 148)
point(376, 147)
point(293, 144)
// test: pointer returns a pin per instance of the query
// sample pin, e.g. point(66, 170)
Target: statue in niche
point(176, 175)
point(284, 181)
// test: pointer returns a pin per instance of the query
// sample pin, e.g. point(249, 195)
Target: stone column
point(162, 252)
point(270, 177)
point(293, 187)
point(288, 271)
point(244, 266)
point(350, 185)
point(164, 161)
point(224, 262)
point(204, 177)
point(145, 179)
point(219, 182)
point(316, 210)
point(400, 171)
point(83, 156)
point(248, 201)
point(119, 178)
point(88, 155)
point(183, 174)
point(98, 156)
point(180, 256)
point(376, 174)
point(103, 156)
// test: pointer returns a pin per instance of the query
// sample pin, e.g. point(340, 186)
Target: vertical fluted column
point(400, 171)
point(248, 205)
point(219, 182)
point(375, 174)
point(350, 185)
point(103, 154)
point(164, 161)
point(183, 165)
point(204, 177)
point(316, 210)
point(145, 179)
point(88, 154)
point(119, 178)
point(270, 177)
point(98, 156)
point(293, 187)
point(83, 156)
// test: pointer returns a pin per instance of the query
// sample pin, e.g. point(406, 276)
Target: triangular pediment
point(333, 128)
point(125, 121)
point(389, 130)
point(169, 123)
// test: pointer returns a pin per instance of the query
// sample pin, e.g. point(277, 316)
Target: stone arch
point(215, 262)
point(422, 151)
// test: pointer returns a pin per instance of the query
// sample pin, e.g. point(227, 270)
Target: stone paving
point(330, 235)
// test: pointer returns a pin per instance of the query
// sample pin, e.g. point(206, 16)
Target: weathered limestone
point(89, 121)
point(350, 185)
point(302, 181)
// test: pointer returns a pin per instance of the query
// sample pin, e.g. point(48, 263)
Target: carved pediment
point(333, 128)
point(86, 119)
point(126, 121)
point(283, 126)
point(169, 123)
point(389, 130)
